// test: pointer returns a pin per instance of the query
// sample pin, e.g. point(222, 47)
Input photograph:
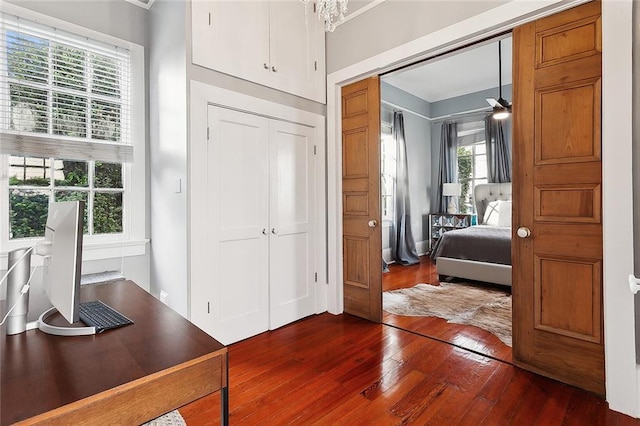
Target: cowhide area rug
point(485, 307)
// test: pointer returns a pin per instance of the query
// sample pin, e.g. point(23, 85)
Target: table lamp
point(452, 190)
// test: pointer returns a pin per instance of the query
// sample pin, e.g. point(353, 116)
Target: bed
point(482, 252)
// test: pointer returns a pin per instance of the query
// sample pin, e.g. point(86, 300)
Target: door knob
point(265, 65)
point(634, 284)
point(273, 231)
point(274, 69)
point(372, 223)
point(523, 232)
point(264, 231)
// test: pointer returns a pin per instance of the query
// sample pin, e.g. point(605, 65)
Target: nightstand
point(439, 223)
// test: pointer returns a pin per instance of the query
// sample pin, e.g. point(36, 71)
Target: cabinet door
point(232, 37)
point(238, 306)
point(292, 289)
point(297, 50)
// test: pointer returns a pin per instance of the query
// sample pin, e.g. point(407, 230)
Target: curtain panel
point(404, 245)
point(448, 162)
point(498, 153)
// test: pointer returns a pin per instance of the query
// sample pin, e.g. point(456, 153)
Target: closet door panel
point(232, 37)
point(238, 209)
point(297, 49)
point(292, 164)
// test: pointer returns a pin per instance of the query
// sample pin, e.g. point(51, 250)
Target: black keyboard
point(101, 316)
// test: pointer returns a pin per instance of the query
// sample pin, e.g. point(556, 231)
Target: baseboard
point(386, 255)
point(422, 247)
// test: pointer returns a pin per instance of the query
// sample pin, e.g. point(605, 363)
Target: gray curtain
point(498, 155)
point(448, 162)
point(404, 245)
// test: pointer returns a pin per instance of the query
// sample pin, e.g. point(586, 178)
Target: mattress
point(480, 243)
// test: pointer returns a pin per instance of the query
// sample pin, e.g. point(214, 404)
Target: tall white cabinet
point(261, 233)
point(276, 43)
point(237, 198)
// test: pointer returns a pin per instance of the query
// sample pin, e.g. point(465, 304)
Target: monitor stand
point(43, 326)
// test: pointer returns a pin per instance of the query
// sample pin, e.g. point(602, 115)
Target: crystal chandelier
point(330, 11)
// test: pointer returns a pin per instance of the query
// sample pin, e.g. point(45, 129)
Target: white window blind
point(62, 95)
point(470, 132)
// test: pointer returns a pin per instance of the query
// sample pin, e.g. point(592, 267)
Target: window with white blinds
point(65, 130)
point(62, 95)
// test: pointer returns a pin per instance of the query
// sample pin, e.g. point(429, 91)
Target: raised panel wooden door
point(238, 182)
point(557, 288)
point(362, 238)
point(292, 286)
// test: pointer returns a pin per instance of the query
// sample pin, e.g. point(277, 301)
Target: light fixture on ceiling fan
point(330, 12)
point(501, 107)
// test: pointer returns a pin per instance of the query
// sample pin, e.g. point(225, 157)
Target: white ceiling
point(457, 74)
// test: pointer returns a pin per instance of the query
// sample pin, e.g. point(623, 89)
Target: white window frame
point(471, 134)
point(132, 241)
point(386, 132)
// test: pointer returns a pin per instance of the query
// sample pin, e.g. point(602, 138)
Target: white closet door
point(292, 290)
point(238, 208)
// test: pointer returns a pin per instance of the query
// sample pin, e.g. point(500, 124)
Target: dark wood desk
point(123, 376)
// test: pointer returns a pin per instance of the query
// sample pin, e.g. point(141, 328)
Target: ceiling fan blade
point(492, 102)
point(504, 103)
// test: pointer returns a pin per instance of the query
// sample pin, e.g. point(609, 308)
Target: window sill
point(96, 251)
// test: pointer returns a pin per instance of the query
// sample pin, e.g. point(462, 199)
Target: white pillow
point(504, 219)
point(497, 213)
point(492, 213)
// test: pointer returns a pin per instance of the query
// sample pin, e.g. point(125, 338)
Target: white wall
point(116, 18)
point(168, 152)
point(394, 23)
point(636, 168)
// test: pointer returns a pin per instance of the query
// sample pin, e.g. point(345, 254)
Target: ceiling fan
point(501, 107)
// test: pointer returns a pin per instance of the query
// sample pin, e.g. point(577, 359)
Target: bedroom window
point(66, 132)
point(472, 162)
point(387, 172)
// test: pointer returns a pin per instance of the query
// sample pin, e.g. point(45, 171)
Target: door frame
point(622, 373)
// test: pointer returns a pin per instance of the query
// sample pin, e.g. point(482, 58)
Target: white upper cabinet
point(279, 44)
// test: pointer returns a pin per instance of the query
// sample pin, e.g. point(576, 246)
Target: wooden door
point(557, 288)
point(292, 284)
point(238, 183)
point(361, 235)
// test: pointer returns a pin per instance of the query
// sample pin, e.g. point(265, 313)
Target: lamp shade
point(451, 189)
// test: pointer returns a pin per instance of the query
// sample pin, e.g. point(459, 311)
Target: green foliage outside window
point(27, 213)
point(107, 213)
point(464, 178)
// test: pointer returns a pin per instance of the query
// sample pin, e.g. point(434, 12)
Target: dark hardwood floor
point(407, 276)
point(465, 336)
point(330, 369)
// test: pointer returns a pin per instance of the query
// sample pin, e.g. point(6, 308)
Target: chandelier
point(330, 11)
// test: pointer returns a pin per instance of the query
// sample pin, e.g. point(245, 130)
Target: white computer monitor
point(63, 262)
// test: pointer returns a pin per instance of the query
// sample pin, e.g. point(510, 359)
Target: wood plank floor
point(330, 370)
point(465, 336)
